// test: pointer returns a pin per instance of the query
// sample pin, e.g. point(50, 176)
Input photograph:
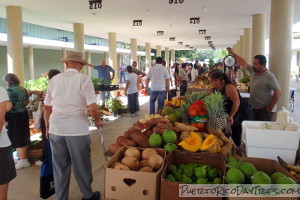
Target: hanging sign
point(187, 46)
point(195, 20)
point(202, 32)
point(160, 33)
point(210, 42)
point(95, 4)
point(207, 38)
point(172, 38)
point(191, 47)
point(175, 1)
point(180, 43)
point(137, 22)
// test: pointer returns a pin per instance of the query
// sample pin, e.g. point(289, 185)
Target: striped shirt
point(158, 75)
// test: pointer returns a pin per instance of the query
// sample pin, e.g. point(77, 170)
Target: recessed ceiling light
point(148, 12)
point(204, 9)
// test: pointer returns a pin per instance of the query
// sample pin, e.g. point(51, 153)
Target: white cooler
point(263, 143)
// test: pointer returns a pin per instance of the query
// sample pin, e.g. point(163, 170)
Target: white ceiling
point(224, 20)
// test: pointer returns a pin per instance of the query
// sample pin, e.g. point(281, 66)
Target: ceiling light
point(204, 9)
point(148, 12)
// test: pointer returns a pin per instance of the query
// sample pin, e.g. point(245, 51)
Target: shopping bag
point(37, 116)
point(46, 177)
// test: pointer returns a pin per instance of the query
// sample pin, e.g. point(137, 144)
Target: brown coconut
point(147, 153)
point(133, 152)
point(131, 162)
point(146, 169)
point(144, 163)
point(121, 167)
point(155, 161)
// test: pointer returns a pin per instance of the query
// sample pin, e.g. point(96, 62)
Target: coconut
point(147, 153)
point(133, 152)
point(144, 163)
point(146, 169)
point(131, 162)
point(155, 161)
point(116, 163)
point(121, 167)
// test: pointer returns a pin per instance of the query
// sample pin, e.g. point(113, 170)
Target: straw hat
point(74, 56)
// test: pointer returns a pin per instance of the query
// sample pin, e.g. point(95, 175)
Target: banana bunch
point(294, 170)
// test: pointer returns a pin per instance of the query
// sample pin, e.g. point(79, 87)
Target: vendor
point(221, 83)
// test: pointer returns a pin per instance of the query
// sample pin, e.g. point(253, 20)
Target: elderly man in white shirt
point(160, 82)
point(69, 96)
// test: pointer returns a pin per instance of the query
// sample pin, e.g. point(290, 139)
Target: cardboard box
point(262, 143)
point(269, 167)
point(169, 190)
point(131, 185)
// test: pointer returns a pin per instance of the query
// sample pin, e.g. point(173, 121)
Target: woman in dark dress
point(221, 83)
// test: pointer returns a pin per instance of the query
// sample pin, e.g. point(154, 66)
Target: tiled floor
point(26, 185)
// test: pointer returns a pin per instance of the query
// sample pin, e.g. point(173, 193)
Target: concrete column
point(148, 56)
point(133, 49)
point(234, 48)
point(172, 57)
point(282, 14)
point(106, 57)
point(298, 64)
point(258, 34)
point(158, 51)
point(78, 30)
point(238, 47)
point(242, 46)
point(89, 60)
point(112, 43)
point(31, 62)
point(64, 55)
point(167, 56)
point(15, 56)
point(247, 44)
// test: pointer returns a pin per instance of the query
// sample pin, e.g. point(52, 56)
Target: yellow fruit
point(192, 143)
point(208, 142)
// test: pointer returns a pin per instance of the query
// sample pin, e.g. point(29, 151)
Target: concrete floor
point(26, 185)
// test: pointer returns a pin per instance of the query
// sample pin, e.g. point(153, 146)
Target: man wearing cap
point(69, 96)
point(264, 88)
point(104, 74)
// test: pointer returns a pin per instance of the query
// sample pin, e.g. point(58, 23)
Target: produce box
point(132, 185)
point(169, 190)
point(264, 143)
point(268, 166)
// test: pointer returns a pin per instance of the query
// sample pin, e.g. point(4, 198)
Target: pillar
point(64, 55)
point(247, 44)
point(172, 57)
point(89, 60)
point(242, 46)
point(31, 62)
point(112, 44)
point(167, 58)
point(234, 48)
point(158, 51)
point(282, 14)
point(148, 56)
point(106, 57)
point(78, 30)
point(133, 49)
point(238, 47)
point(15, 56)
point(298, 64)
point(258, 34)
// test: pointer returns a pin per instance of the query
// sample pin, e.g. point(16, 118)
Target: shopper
point(122, 69)
point(131, 91)
point(105, 77)
point(194, 72)
point(140, 74)
point(160, 81)
point(183, 79)
point(7, 167)
point(18, 119)
point(264, 88)
point(69, 95)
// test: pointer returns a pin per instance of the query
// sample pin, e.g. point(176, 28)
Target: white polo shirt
point(158, 75)
point(69, 93)
point(4, 140)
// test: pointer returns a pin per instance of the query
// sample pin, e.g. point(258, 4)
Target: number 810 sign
point(175, 1)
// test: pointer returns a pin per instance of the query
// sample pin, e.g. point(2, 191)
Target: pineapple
point(214, 104)
point(184, 112)
point(193, 97)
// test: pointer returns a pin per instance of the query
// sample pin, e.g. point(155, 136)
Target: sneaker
point(133, 115)
point(16, 159)
point(96, 196)
point(38, 163)
point(22, 164)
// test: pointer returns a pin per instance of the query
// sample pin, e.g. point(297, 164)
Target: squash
point(192, 143)
point(167, 102)
point(175, 102)
point(208, 142)
point(215, 148)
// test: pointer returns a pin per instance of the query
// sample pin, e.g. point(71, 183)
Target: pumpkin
point(196, 108)
point(215, 148)
point(192, 143)
point(208, 142)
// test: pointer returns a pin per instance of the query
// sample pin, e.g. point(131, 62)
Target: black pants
point(132, 102)
point(262, 115)
point(183, 88)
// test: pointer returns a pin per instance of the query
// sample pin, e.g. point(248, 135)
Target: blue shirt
point(104, 72)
